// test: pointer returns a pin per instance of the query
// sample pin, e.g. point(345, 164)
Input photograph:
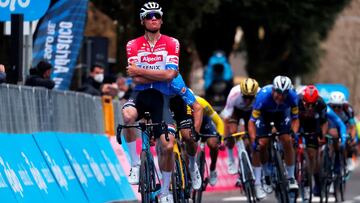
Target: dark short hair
point(43, 66)
point(96, 65)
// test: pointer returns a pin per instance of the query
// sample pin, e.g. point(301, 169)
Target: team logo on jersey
point(183, 90)
point(151, 58)
point(174, 60)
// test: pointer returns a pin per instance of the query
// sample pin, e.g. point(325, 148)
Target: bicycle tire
point(303, 176)
point(281, 185)
point(340, 180)
point(325, 173)
point(145, 179)
point(248, 185)
point(187, 180)
point(197, 194)
point(178, 190)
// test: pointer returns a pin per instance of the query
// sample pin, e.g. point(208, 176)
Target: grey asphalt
point(352, 194)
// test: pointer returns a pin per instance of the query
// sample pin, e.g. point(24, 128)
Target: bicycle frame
point(241, 149)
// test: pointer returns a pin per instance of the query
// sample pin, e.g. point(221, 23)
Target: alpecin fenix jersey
point(163, 56)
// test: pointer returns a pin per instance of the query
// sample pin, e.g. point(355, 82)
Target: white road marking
point(235, 199)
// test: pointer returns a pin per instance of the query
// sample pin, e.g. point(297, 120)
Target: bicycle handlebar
point(143, 127)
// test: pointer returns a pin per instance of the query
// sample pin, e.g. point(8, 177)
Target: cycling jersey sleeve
point(230, 102)
point(209, 111)
point(294, 104)
point(172, 59)
point(256, 112)
point(340, 124)
point(350, 113)
point(131, 51)
point(179, 87)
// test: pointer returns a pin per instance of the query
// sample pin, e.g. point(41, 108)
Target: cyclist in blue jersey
point(184, 117)
point(276, 103)
point(210, 121)
point(337, 102)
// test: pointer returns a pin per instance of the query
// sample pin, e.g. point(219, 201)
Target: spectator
point(40, 76)
point(125, 89)
point(2, 73)
point(93, 84)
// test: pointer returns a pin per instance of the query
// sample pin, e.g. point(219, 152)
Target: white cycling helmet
point(150, 7)
point(337, 97)
point(282, 83)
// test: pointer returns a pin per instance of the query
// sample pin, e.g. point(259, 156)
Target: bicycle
point(278, 177)
point(302, 169)
point(181, 181)
point(149, 181)
point(203, 168)
point(246, 174)
point(330, 173)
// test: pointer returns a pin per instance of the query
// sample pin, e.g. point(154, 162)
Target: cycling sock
point(291, 171)
point(133, 155)
point(191, 162)
point(230, 155)
point(166, 183)
point(257, 173)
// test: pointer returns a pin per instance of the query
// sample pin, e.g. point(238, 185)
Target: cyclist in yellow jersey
point(212, 124)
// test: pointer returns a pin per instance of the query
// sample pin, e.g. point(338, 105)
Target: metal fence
point(33, 109)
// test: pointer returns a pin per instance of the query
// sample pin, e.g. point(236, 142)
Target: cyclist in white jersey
point(238, 106)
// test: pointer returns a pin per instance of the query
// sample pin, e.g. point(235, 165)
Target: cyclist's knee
point(334, 132)
point(129, 114)
point(213, 143)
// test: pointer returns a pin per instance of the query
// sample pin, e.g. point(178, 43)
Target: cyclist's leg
point(130, 114)
point(160, 111)
point(213, 144)
point(283, 124)
point(260, 157)
point(231, 127)
point(183, 118)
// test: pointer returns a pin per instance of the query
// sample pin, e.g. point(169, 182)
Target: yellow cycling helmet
point(249, 87)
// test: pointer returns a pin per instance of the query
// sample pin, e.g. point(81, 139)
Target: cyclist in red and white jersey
point(153, 62)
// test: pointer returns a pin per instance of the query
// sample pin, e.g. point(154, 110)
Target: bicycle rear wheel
point(248, 185)
point(197, 194)
point(145, 179)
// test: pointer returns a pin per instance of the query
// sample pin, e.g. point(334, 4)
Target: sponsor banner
point(60, 167)
point(326, 89)
point(31, 9)
point(59, 38)
point(115, 167)
point(89, 166)
point(24, 168)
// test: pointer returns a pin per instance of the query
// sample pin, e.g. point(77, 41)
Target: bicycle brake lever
point(118, 134)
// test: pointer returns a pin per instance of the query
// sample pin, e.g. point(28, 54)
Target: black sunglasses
point(279, 91)
point(150, 16)
point(248, 97)
point(336, 106)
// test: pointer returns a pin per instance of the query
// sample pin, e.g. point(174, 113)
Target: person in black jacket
point(40, 76)
point(93, 83)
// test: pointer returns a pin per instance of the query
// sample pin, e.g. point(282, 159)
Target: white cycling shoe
point(134, 175)
point(213, 178)
point(259, 192)
point(195, 178)
point(167, 198)
point(232, 167)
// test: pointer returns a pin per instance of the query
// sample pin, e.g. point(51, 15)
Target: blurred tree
point(280, 36)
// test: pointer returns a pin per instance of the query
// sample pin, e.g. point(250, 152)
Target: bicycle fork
point(241, 149)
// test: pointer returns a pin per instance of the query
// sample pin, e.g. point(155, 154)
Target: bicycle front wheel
point(145, 179)
point(178, 182)
point(248, 184)
point(197, 194)
point(281, 185)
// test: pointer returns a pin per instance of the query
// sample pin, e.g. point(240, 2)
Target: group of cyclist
point(160, 90)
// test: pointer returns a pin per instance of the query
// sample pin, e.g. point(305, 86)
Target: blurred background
point(310, 41)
